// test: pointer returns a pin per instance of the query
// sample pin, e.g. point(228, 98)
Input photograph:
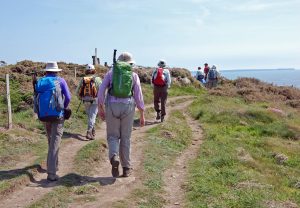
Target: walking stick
point(79, 106)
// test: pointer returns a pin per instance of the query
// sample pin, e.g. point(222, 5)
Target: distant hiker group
point(113, 99)
point(209, 77)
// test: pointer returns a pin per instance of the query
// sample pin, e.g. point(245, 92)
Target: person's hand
point(101, 112)
point(142, 119)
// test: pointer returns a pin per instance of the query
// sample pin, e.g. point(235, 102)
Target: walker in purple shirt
point(137, 91)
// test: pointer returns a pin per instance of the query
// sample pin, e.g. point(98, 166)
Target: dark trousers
point(160, 96)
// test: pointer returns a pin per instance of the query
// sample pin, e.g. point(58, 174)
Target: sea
point(279, 77)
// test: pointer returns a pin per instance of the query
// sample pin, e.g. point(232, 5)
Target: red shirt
point(206, 69)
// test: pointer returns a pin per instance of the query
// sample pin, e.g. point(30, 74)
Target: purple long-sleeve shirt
point(137, 91)
point(64, 89)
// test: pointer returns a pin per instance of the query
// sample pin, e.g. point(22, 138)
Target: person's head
point(199, 68)
point(213, 67)
point(206, 64)
point(126, 57)
point(161, 63)
point(90, 69)
point(52, 67)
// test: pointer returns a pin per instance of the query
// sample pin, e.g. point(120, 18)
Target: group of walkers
point(114, 99)
point(209, 77)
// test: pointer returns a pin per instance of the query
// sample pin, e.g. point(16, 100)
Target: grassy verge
point(238, 164)
point(26, 146)
point(89, 157)
point(164, 143)
point(77, 186)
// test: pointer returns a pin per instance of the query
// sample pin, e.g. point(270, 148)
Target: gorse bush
point(20, 100)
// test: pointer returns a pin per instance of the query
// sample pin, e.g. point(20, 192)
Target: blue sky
point(228, 33)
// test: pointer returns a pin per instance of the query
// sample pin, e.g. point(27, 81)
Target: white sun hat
point(126, 57)
point(89, 67)
point(52, 66)
point(161, 63)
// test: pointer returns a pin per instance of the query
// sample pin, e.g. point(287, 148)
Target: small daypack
point(88, 88)
point(200, 77)
point(121, 80)
point(48, 99)
point(212, 74)
point(159, 80)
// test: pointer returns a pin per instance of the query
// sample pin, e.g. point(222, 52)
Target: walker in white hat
point(52, 67)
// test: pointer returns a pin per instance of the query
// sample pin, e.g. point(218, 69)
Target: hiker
point(87, 93)
point(206, 70)
point(52, 97)
point(200, 76)
point(212, 77)
point(161, 81)
point(118, 108)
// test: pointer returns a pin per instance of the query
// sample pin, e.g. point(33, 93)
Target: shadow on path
point(73, 179)
point(136, 123)
point(68, 135)
point(29, 171)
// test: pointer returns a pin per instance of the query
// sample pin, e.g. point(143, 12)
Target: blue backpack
point(212, 74)
point(48, 99)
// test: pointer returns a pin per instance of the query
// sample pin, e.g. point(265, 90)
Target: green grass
point(17, 146)
point(89, 157)
point(74, 186)
point(177, 90)
point(235, 167)
point(27, 143)
point(164, 144)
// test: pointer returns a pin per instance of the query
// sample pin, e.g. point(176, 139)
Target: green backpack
point(121, 80)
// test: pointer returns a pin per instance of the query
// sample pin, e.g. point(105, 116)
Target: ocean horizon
point(279, 77)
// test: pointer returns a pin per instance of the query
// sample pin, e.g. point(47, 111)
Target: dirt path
point(175, 177)
point(39, 186)
point(120, 188)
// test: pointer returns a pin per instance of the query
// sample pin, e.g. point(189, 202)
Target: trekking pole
point(115, 53)
point(34, 80)
point(79, 106)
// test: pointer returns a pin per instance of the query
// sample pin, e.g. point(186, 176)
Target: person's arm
point(168, 78)
point(65, 91)
point(153, 77)
point(101, 94)
point(138, 97)
point(98, 82)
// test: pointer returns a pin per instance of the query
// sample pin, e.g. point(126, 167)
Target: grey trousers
point(54, 131)
point(119, 122)
point(160, 96)
point(91, 110)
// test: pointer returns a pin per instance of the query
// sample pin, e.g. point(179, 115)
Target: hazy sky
point(228, 33)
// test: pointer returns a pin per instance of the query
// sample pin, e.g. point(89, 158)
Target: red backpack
point(159, 79)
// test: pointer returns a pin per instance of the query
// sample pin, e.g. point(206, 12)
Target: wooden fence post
point(75, 73)
point(8, 102)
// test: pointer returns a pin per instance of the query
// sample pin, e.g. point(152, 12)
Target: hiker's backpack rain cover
point(121, 80)
point(159, 80)
point(48, 99)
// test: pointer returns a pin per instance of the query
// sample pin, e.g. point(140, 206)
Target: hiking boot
point(89, 135)
point(162, 118)
point(157, 115)
point(52, 178)
point(126, 172)
point(114, 166)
